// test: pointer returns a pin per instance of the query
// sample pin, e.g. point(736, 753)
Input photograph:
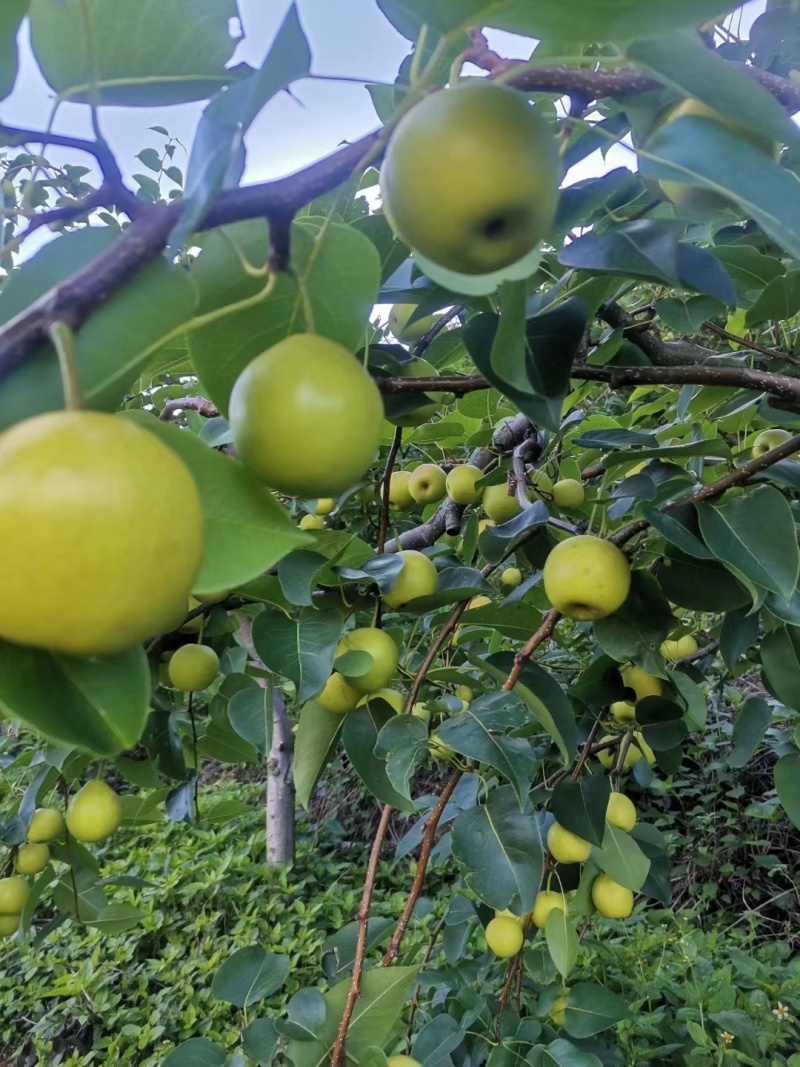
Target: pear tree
point(467, 453)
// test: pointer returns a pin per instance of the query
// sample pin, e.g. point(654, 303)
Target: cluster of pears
point(315, 520)
point(93, 814)
point(346, 690)
point(505, 933)
point(623, 714)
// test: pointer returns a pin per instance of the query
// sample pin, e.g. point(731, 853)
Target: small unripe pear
point(94, 813)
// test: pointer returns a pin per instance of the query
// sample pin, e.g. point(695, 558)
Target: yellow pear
point(463, 692)
point(498, 505)
point(296, 398)
point(484, 524)
point(193, 667)
point(9, 924)
point(637, 748)
point(94, 813)
point(511, 577)
point(438, 749)
point(684, 646)
point(418, 578)
point(390, 696)
point(642, 683)
point(312, 522)
point(460, 484)
point(13, 895)
point(97, 509)
point(325, 505)
point(541, 484)
point(402, 1061)
point(506, 914)
point(337, 696)
point(545, 902)
point(399, 327)
point(565, 846)
point(557, 1012)
point(586, 577)
point(384, 654)
point(470, 177)
point(610, 898)
point(504, 936)
point(623, 711)
point(621, 812)
point(427, 483)
point(399, 492)
point(769, 439)
point(568, 493)
point(31, 859)
point(46, 825)
point(212, 598)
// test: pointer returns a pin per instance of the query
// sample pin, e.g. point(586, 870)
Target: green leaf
point(132, 54)
point(478, 734)
point(338, 266)
point(699, 585)
point(543, 695)
point(297, 574)
point(247, 530)
point(750, 269)
point(250, 715)
point(562, 1053)
point(683, 60)
point(707, 154)
point(217, 148)
point(562, 941)
point(500, 852)
point(384, 991)
point(113, 346)
point(621, 859)
point(780, 658)
point(301, 650)
point(98, 705)
point(689, 315)
point(198, 1052)
point(314, 746)
point(343, 943)
point(404, 742)
point(592, 1008)
point(754, 536)
point(249, 975)
point(221, 743)
point(507, 356)
point(583, 20)
point(739, 632)
point(581, 806)
point(116, 918)
point(779, 300)
point(662, 723)
point(11, 16)
point(440, 1036)
point(748, 730)
point(359, 736)
point(651, 250)
point(455, 584)
point(635, 631)
point(260, 1041)
point(787, 784)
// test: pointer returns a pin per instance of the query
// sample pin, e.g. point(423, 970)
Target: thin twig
point(549, 622)
point(386, 489)
point(422, 866)
point(189, 403)
point(436, 329)
point(771, 353)
point(337, 1055)
point(706, 650)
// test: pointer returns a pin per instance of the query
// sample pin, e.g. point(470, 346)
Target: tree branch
point(189, 403)
point(549, 622)
point(771, 353)
point(387, 488)
point(337, 1055)
point(422, 866)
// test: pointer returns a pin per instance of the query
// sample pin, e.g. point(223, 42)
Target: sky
point(291, 131)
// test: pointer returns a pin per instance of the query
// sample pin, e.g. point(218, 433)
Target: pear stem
point(63, 340)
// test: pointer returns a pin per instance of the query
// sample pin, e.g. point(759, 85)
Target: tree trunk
point(280, 789)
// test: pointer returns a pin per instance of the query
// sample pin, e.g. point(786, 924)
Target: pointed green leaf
point(581, 806)
point(780, 658)
point(301, 650)
point(787, 783)
point(359, 736)
point(98, 705)
point(250, 715)
point(562, 941)
point(500, 852)
point(621, 859)
point(755, 536)
point(11, 16)
point(751, 724)
point(197, 1052)
point(592, 1008)
point(314, 746)
point(249, 975)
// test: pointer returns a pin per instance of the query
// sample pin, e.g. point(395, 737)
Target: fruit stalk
point(383, 529)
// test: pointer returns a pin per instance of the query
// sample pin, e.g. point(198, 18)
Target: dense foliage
point(503, 583)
